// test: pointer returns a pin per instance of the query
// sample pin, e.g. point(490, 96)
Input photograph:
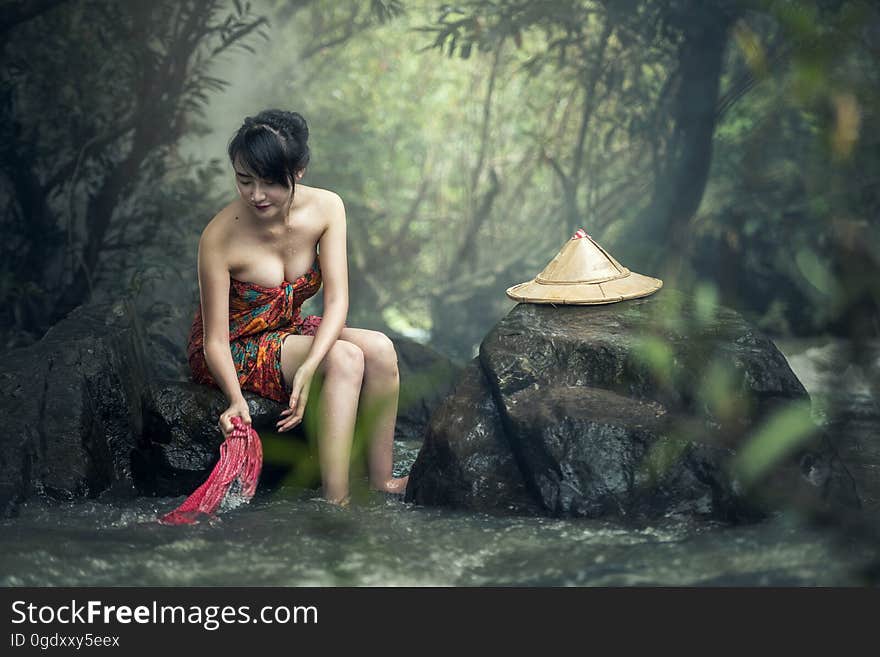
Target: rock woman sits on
point(259, 259)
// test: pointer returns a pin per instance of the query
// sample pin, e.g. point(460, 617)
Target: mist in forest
point(726, 146)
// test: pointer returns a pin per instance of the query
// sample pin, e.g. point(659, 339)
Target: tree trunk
point(660, 236)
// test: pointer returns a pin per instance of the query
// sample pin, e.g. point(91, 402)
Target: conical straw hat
point(583, 273)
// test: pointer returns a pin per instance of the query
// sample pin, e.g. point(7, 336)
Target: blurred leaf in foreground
point(782, 433)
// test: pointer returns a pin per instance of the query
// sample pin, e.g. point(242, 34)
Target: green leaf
point(815, 271)
point(657, 356)
point(777, 437)
point(705, 302)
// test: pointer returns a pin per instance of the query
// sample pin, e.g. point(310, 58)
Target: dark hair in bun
point(273, 145)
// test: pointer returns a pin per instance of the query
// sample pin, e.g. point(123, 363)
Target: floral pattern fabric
point(259, 320)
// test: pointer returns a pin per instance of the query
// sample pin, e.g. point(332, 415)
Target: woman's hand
point(299, 397)
point(236, 409)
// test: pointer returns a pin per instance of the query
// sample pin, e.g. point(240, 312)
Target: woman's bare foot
point(340, 502)
point(395, 485)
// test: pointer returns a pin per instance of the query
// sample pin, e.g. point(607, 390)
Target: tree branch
point(15, 13)
point(487, 115)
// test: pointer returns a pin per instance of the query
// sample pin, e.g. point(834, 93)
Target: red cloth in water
point(236, 474)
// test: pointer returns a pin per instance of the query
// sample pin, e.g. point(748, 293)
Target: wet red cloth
point(259, 320)
point(234, 478)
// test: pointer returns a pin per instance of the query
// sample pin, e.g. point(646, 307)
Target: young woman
point(259, 259)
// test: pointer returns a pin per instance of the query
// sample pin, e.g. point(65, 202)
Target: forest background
point(729, 147)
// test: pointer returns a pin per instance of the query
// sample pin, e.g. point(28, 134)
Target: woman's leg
point(378, 404)
point(343, 371)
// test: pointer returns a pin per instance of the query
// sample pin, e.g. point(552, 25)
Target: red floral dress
point(259, 320)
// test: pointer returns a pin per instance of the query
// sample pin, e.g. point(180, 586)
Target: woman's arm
point(334, 271)
point(214, 293)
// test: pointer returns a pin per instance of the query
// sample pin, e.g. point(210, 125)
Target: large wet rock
point(426, 378)
point(71, 405)
point(639, 408)
point(465, 461)
point(181, 439)
point(82, 417)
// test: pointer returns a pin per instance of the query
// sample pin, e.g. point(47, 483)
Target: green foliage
point(705, 303)
point(297, 457)
point(96, 96)
point(468, 141)
point(815, 271)
point(790, 200)
point(657, 355)
point(663, 454)
point(412, 143)
point(781, 434)
point(719, 392)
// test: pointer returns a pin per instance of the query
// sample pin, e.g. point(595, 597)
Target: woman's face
point(269, 200)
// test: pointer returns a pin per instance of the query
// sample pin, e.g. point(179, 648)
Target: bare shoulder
point(216, 240)
point(218, 231)
point(324, 196)
point(332, 200)
point(329, 205)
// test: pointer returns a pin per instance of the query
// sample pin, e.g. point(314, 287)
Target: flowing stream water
point(283, 540)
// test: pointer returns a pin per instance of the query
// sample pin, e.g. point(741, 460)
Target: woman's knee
point(344, 360)
point(380, 355)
